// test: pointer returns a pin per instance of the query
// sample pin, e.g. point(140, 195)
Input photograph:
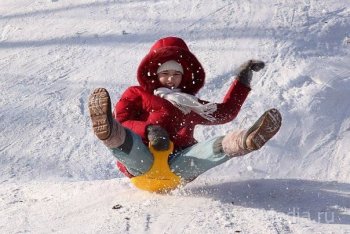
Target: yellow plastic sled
point(159, 178)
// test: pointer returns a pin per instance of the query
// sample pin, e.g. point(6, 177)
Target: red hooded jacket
point(138, 107)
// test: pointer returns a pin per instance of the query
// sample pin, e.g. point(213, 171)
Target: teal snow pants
point(188, 163)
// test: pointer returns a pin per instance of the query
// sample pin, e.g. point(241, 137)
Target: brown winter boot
point(262, 130)
point(101, 113)
point(105, 127)
point(242, 142)
point(232, 144)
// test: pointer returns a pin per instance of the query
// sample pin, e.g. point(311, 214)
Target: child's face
point(170, 78)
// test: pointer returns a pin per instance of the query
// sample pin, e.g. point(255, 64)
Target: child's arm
point(238, 92)
point(231, 105)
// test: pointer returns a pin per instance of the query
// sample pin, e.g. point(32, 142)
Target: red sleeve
point(127, 111)
point(231, 105)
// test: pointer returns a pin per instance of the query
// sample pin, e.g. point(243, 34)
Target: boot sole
point(263, 129)
point(100, 113)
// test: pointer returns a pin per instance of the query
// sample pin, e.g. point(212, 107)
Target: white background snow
point(55, 176)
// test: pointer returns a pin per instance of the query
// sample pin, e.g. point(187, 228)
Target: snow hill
point(56, 177)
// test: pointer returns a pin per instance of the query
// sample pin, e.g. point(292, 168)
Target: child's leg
point(195, 160)
point(125, 145)
point(133, 154)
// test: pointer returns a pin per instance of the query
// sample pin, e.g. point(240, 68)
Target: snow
point(56, 176)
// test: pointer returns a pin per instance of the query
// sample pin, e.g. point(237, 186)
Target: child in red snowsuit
point(163, 107)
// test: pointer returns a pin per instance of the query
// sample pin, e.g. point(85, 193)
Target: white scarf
point(187, 103)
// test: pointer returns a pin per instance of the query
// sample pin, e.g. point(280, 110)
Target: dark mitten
point(158, 137)
point(245, 73)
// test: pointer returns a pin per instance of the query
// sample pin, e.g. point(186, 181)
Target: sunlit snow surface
point(57, 177)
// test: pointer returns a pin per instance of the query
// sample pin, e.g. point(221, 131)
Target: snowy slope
point(56, 177)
